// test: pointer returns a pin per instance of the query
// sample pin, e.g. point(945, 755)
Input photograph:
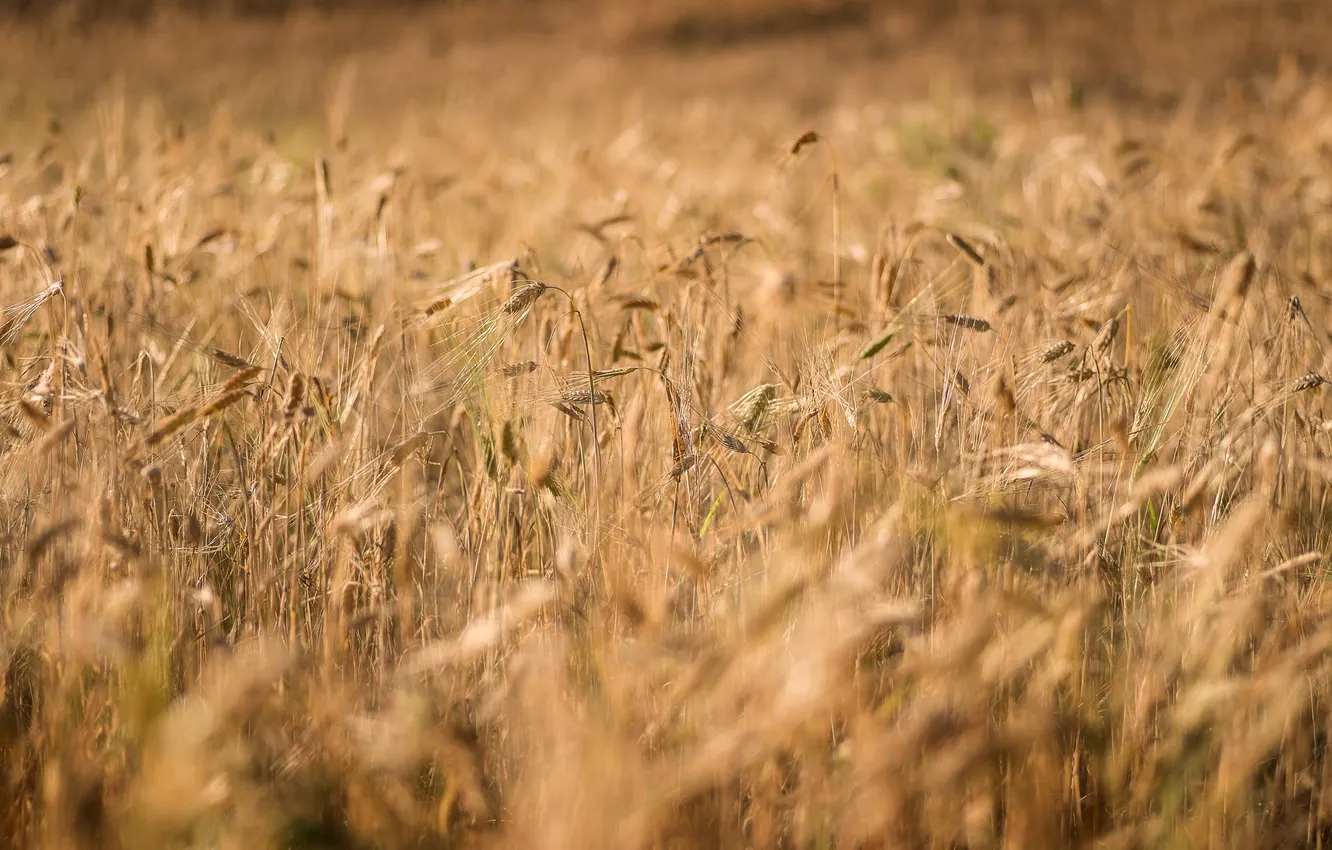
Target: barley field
point(800, 426)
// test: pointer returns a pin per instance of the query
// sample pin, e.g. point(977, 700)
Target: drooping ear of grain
point(224, 400)
point(1105, 338)
point(752, 407)
point(523, 298)
point(294, 397)
point(971, 323)
point(518, 369)
point(1056, 350)
point(1308, 382)
point(804, 141)
point(173, 424)
point(169, 426)
point(241, 379)
point(407, 447)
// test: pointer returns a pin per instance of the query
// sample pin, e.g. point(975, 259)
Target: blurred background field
point(883, 50)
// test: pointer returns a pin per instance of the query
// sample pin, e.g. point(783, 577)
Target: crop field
point(733, 425)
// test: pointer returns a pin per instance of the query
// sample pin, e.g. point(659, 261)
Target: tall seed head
point(523, 298)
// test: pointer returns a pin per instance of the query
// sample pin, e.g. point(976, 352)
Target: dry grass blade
point(878, 345)
point(173, 424)
point(183, 339)
point(1295, 563)
point(965, 249)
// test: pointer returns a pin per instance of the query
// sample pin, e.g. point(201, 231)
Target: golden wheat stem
point(836, 228)
point(810, 138)
point(596, 439)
